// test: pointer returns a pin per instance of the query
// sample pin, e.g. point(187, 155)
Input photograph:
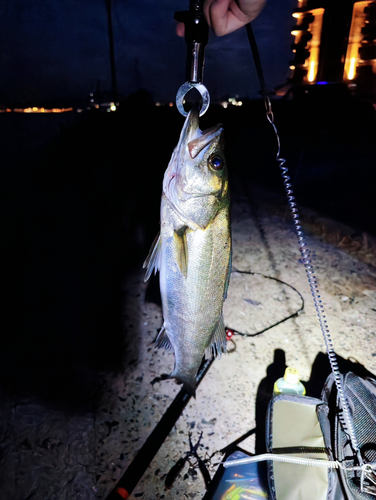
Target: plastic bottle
point(289, 383)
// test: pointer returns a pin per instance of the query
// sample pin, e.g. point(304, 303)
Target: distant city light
point(311, 73)
point(356, 38)
point(112, 106)
point(35, 109)
point(351, 74)
point(233, 101)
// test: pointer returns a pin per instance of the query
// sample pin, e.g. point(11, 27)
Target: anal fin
point(218, 343)
point(162, 340)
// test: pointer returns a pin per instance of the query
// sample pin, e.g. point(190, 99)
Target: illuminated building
point(335, 41)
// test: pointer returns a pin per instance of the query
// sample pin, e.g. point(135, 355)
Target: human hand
point(226, 16)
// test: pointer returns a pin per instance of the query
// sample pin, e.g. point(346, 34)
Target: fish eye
point(216, 162)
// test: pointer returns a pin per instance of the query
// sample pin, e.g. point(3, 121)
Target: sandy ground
point(54, 455)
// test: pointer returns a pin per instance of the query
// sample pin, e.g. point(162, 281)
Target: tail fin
point(188, 381)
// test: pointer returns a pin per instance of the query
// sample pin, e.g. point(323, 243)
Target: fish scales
point(193, 250)
point(191, 307)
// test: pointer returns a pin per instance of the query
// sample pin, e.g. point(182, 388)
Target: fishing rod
point(196, 37)
point(145, 455)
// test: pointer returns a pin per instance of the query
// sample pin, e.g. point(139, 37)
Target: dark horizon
point(62, 52)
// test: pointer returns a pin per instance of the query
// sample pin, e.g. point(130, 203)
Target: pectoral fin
point(181, 250)
point(218, 343)
point(153, 260)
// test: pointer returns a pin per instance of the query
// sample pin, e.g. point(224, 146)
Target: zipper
point(299, 449)
point(329, 464)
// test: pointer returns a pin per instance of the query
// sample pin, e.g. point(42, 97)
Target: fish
point(192, 251)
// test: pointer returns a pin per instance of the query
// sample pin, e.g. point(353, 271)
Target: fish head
point(198, 166)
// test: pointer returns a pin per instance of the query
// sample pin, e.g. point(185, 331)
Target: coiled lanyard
point(346, 419)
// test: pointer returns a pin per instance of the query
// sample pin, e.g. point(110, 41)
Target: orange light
point(351, 74)
point(355, 39)
point(35, 109)
point(311, 73)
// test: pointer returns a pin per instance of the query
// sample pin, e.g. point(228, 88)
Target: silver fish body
point(193, 250)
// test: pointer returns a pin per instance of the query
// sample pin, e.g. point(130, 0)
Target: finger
point(215, 12)
point(225, 17)
point(250, 8)
point(206, 10)
point(180, 29)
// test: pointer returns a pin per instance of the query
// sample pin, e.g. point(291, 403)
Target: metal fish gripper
point(196, 37)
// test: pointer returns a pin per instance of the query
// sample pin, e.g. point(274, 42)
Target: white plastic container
point(289, 383)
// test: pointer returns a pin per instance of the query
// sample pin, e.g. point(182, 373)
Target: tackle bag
point(312, 430)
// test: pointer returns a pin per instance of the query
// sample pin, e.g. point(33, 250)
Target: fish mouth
point(191, 127)
point(191, 146)
point(193, 137)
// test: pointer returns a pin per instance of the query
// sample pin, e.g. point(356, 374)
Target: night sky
point(58, 51)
